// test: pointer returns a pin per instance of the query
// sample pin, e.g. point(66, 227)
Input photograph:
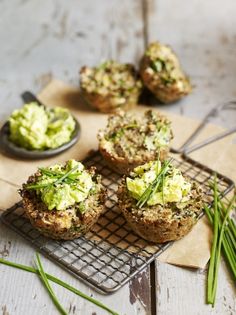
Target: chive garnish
point(58, 178)
point(224, 231)
point(154, 185)
point(60, 282)
point(48, 286)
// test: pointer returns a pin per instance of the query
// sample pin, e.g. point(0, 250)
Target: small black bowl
point(9, 147)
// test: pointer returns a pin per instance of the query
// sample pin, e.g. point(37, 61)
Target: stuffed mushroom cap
point(162, 74)
point(129, 140)
point(63, 201)
point(110, 86)
point(159, 203)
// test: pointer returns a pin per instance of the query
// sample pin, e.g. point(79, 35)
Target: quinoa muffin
point(160, 204)
point(110, 86)
point(129, 141)
point(161, 73)
point(63, 201)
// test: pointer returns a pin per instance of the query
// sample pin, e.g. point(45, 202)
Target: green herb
point(158, 65)
point(58, 178)
point(167, 80)
point(60, 282)
point(153, 187)
point(224, 232)
point(211, 271)
point(104, 65)
point(121, 131)
point(162, 189)
point(48, 287)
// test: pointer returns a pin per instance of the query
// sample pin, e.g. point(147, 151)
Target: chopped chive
point(67, 177)
point(154, 185)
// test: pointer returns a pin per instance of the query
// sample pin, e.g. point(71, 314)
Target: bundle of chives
point(224, 235)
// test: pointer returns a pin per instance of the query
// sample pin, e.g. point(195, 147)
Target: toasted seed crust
point(103, 103)
point(129, 150)
point(111, 86)
point(158, 223)
point(65, 224)
point(165, 92)
point(123, 165)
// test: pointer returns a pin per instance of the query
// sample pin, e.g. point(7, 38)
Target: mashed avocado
point(174, 187)
point(62, 186)
point(35, 127)
point(160, 138)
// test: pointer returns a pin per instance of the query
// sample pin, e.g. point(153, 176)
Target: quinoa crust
point(160, 224)
point(103, 103)
point(63, 224)
point(129, 150)
point(123, 165)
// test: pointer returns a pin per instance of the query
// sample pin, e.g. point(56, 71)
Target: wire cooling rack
point(110, 254)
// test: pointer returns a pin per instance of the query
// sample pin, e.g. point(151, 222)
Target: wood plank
point(55, 38)
point(182, 291)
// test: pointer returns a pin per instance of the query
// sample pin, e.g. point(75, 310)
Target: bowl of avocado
point(35, 131)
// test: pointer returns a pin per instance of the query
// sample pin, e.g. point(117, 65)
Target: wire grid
point(110, 254)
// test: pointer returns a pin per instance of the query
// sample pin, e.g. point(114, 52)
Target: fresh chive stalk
point(60, 282)
point(48, 286)
point(67, 177)
point(224, 232)
point(211, 270)
point(153, 186)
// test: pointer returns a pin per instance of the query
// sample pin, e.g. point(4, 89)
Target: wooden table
point(54, 38)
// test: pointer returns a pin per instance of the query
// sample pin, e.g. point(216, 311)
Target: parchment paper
point(194, 249)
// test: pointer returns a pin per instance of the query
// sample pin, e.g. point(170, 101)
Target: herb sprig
point(57, 177)
point(60, 282)
point(153, 186)
point(224, 236)
point(48, 286)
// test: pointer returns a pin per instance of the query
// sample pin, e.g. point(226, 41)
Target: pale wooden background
point(53, 38)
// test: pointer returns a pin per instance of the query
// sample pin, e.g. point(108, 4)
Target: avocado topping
point(158, 183)
point(35, 127)
point(61, 186)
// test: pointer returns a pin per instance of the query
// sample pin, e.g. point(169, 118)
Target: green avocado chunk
point(35, 127)
point(61, 186)
point(175, 187)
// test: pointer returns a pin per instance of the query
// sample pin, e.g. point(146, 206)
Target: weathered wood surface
point(182, 291)
point(42, 39)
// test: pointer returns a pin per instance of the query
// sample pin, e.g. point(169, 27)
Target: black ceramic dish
point(9, 147)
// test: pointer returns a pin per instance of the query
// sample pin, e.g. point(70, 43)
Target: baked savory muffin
point(63, 201)
point(159, 203)
point(110, 86)
point(129, 141)
point(161, 73)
